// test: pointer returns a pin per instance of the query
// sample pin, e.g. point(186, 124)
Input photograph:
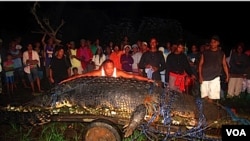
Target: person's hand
point(154, 69)
point(51, 80)
point(150, 80)
point(34, 62)
point(227, 79)
point(193, 77)
point(200, 79)
point(148, 66)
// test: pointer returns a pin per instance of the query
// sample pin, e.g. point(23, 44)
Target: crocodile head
point(43, 101)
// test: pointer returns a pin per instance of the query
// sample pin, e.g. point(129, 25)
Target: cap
point(215, 37)
point(134, 46)
point(127, 46)
point(145, 43)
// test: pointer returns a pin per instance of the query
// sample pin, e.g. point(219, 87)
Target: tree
point(45, 24)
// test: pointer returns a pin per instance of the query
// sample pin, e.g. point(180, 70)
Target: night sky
point(229, 20)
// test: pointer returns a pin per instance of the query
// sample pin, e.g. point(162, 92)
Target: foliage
point(163, 29)
point(136, 136)
point(116, 31)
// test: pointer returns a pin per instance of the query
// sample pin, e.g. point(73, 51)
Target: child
point(8, 66)
point(75, 71)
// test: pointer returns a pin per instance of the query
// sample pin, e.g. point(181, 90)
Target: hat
point(215, 37)
point(145, 43)
point(134, 46)
point(127, 46)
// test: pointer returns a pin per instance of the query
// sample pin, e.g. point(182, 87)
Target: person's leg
point(36, 78)
point(171, 83)
point(204, 89)
point(31, 80)
point(7, 84)
point(244, 85)
point(12, 84)
point(214, 88)
point(32, 87)
point(11, 88)
point(188, 85)
point(38, 84)
point(231, 87)
point(8, 87)
point(22, 76)
point(238, 86)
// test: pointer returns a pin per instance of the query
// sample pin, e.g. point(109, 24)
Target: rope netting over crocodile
point(158, 112)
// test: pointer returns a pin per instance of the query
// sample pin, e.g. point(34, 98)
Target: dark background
point(199, 20)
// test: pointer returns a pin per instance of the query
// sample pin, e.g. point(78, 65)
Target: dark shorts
point(9, 79)
point(33, 75)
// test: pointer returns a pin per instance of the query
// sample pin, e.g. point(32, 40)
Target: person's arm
point(69, 71)
point(225, 67)
point(51, 75)
point(43, 39)
point(91, 73)
point(37, 58)
point(188, 67)
point(131, 60)
point(122, 60)
point(25, 58)
point(232, 61)
point(167, 69)
point(128, 75)
point(142, 64)
point(200, 68)
point(162, 63)
point(78, 55)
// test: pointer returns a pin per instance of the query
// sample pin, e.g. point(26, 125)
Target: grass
point(136, 136)
point(54, 131)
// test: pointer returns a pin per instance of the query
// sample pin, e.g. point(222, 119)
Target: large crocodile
point(136, 101)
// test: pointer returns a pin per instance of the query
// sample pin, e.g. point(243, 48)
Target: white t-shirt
point(98, 61)
point(137, 58)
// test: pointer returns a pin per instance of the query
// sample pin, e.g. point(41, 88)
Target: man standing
point(177, 68)
point(59, 67)
point(211, 63)
point(152, 61)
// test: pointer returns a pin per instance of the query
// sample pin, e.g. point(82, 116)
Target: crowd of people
point(168, 64)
